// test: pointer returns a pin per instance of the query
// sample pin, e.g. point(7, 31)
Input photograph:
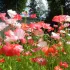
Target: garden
point(36, 45)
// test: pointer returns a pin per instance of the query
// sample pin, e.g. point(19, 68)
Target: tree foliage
point(56, 8)
point(17, 5)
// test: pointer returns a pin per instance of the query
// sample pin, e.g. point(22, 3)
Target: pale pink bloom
point(62, 31)
point(20, 33)
point(66, 24)
point(17, 25)
point(11, 21)
point(16, 35)
point(9, 33)
point(42, 44)
point(10, 36)
point(11, 13)
point(3, 16)
point(55, 35)
point(67, 18)
point(11, 39)
point(2, 25)
point(18, 48)
point(68, 42)
point(39, 32)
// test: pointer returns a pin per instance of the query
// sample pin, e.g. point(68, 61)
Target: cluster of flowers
point(34, 35)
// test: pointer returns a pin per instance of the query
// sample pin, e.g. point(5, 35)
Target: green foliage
point(17, 5)
point(56, 8)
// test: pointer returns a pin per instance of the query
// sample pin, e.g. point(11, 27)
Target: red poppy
point(61, 27)
point(2, 60)
point(18, 17)
point(23, 41)
point(45, 50)
point(31, 41)
point(39, 60)
point(64, 64)
point(12, 49)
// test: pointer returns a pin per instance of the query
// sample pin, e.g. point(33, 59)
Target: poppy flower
point(33, 16)
point(57, 68)
point(39, 32)
point(3, 16)
point(59, 18)
point(11, 13)
point(23, 41)
point(61, 27)
point(2, 60)
point(35, 49)
point(42, 44)
point(64, 64)
point(20, 33)
point(27, 53)
point(24, 26)
point(18, 17)
point(39, 60)
point(12, 49)
point(31, 41)
point(55, 35)
point(45, 50)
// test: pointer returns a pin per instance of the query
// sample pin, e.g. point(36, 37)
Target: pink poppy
point(64, 64)
point(2, 60)
point(33, 16)
point(3, 16)
point(35, 49)
point(35, 26)
point(59, 18)
point(27, 53)
point(23, 41)
point(55, 35)
point(12, 49)
point(39, 60)
point(18, 17)
point(57, 68)
point(20, 33)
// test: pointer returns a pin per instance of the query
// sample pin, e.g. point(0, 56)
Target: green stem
point(62, 9)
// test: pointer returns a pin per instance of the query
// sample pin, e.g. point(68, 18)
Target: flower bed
point(36, 45)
